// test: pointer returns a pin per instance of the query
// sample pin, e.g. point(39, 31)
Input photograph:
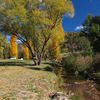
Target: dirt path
point(86, 89)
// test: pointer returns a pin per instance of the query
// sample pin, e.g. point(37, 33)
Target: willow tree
point(36, 21)
point(26, 52)
point(4, 46)
point(13, 47)
point(57, 39)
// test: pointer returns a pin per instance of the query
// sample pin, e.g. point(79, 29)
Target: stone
point(58, 96)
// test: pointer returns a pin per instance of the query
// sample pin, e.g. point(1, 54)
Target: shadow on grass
point(50, 65)
point(15, 64)
point(27, 65)
point(53, 63)
point(47, 68)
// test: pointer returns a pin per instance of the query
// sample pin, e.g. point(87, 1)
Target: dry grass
point(23, 83)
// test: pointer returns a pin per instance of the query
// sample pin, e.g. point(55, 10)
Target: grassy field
point(20, 80)
point(16, 62)
point(26, 82)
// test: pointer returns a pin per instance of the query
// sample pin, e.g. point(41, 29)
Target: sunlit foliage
point(4, 46)
point(26, 52)
point(13, 47)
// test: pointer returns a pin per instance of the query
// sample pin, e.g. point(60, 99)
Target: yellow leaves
point(14, 9)
point(18, 12)
point(59, 34)
point(36, 12)
point(70, 7)
point(1, 52)
point(13, 47)
point(8, 1)
point(26, 52)
point(57, 39)
point(62, 6)
point(31, 45)
point(41, 17)
point(55, 50)
point(46, 21)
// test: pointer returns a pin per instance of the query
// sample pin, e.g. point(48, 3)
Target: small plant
point(9, 96)
point(32, 88)
point(76, 97)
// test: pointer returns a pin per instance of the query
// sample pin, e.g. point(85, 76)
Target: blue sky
point(82, 9)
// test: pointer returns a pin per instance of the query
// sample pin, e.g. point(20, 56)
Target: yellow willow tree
point(55, 50)
point(13, 46)
point(36, 21)
point(58, 38)
point(26, 52)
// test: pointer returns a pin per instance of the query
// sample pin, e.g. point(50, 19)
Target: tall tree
point(13, 46)
point(26, 52)
point(55, 46)
point(4, 46)
point(36, 21)
point(92, 31)
point(76, 42)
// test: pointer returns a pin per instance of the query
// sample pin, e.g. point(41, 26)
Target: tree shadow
point(50, 66)
point(15, 64)
point(53, 63)
point(27, 65)
point(47, 68)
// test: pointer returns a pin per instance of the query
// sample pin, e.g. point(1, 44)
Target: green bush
point(77, 65)
point(83, 62)
point(69, 63)
point(95, 70)
point(96, 62)
point(84, 46)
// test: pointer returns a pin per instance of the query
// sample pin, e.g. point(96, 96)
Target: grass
point(77, 97)
point(23, 81)
point(27, 82)
point(18, 62)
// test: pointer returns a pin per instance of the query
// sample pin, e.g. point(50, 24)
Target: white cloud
point(78, 28)
point(18, 41)
point(40, 0)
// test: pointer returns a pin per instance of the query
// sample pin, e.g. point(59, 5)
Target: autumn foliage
point(39, 22)
point(57, 39)
point(26, 52)
point(13, 47)
point(55, 50)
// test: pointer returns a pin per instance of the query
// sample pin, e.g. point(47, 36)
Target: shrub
point(77, 66)
point(83, 62)
point(84, 46)
point(69, 63)
point(96, 63)
point(97, 59)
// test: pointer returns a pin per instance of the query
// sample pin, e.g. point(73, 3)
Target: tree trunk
point(39, 60)
point(35, 63)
